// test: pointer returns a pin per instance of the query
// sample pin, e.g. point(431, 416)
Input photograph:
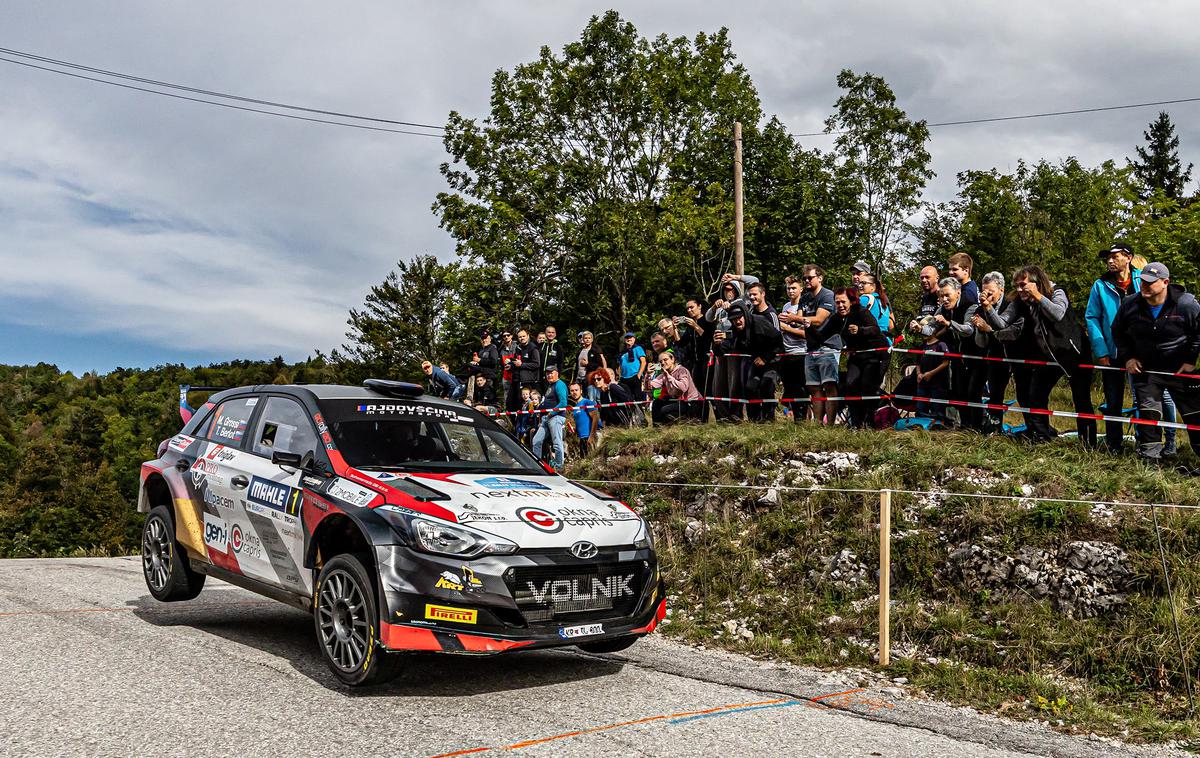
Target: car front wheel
point(346, 620)
point(165, 566)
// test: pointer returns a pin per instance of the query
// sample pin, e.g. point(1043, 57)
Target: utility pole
point(739, 251)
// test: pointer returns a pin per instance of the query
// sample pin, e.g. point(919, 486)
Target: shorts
point(821, 367)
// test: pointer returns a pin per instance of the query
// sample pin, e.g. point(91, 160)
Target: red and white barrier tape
point(1047, 412)
point(967, 356)
point(756, 401)
point(536, 411)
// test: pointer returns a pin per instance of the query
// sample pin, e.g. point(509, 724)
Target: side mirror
point(281, 458)
point(306, 462)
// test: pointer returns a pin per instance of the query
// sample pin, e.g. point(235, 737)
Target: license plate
point(584, 630)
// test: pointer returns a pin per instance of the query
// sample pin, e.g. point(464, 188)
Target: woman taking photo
point(1049, 331)
point(864, 370)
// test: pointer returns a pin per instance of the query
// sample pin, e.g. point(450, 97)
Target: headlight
point(644, 537)
point(447, 539)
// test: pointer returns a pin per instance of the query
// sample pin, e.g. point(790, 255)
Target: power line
point(222, 105)
point(1032, 115)
point(211, 93)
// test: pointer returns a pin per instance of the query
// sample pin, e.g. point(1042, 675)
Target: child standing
point(933, 379)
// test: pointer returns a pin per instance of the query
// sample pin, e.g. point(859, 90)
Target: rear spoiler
point(185, 410)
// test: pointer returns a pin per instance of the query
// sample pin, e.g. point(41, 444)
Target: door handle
point(183, 464)
point(240, 482)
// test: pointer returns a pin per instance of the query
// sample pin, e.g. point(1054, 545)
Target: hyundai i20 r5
point(402, 522)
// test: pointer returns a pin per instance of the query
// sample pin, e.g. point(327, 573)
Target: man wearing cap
point(441, 382)
point(633, 365)
point(553, 418)
point(1159, 331)
point(511, 395)
point(736, 341)
point(484, 363)
point(1119, 282)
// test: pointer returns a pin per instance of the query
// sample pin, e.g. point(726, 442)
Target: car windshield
point(400, 435)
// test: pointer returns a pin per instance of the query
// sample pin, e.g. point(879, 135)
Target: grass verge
point(746, 566)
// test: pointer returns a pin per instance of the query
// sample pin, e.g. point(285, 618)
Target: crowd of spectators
point(734, 356)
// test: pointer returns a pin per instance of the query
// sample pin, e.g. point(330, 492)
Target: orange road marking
point(813, 702)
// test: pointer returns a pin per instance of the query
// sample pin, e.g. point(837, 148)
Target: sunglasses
point(809, 278)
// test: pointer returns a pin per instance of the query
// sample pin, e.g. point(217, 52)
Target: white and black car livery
point(402, 522)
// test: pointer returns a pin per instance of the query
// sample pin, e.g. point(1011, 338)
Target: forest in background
point(597, 194)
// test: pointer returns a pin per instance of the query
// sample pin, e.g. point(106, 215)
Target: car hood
point(532, 511)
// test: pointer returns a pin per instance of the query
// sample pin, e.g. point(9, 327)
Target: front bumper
point(500, 603)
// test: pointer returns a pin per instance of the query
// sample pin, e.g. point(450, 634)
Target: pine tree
point(1158, 168)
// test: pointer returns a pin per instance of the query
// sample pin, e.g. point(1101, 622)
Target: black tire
point(165, 566)
point(347, 622)
point(613, 645)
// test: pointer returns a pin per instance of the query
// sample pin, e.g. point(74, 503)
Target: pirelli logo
point(446, 613)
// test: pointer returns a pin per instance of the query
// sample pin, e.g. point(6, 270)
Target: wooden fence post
point(885, 577)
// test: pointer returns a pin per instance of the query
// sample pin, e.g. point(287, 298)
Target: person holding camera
point(995, 343)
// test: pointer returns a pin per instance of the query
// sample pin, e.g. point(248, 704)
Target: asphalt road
point(92, 665)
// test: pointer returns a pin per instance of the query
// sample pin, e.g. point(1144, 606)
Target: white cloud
point(127, 213)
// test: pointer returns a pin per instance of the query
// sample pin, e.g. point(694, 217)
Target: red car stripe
point(397, 637)
point(659, 615)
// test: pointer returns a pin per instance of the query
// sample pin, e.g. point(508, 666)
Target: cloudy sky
point(137, 230)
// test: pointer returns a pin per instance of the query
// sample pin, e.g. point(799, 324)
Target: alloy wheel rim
point(342, 621)
point(156, 554)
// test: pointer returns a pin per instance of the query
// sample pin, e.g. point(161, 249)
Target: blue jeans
point(554, 423)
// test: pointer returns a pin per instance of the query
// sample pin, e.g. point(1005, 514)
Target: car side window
point(231, 419)
point(284, 426)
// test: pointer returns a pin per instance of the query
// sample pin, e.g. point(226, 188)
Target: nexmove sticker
point(273, 495)
point(351, 493)
point(216, 533)
point(508, 483)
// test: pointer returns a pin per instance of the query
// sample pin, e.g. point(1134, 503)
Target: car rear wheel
point(165, 566)
point(614, 645)
point(346, 619)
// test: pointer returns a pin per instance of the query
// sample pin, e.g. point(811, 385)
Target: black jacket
point(760, 339)
point(868, 337)
point(1164, 343)
point(530, 370)
point(489, 361)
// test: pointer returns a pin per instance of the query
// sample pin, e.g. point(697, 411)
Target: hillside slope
point(1051, 610)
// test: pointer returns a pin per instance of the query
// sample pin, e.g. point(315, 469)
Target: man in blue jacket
point(1119, 282)
point(1158, 331)
point(441, 382)
point(552, 422)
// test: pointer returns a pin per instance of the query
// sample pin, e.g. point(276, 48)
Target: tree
point(883, 152)
point(1157, 167)
point(402, 322)
point(567, 184)
point(800, 206)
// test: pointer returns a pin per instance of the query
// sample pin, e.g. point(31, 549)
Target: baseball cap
point(1155, 271)
point(550, 368)
point(861, 267)
point(1121, 247)
point(736, 311)
point(630, 334)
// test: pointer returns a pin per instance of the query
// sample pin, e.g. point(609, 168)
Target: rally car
point(400, 521)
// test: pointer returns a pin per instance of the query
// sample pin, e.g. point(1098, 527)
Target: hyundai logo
point(584, 550)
